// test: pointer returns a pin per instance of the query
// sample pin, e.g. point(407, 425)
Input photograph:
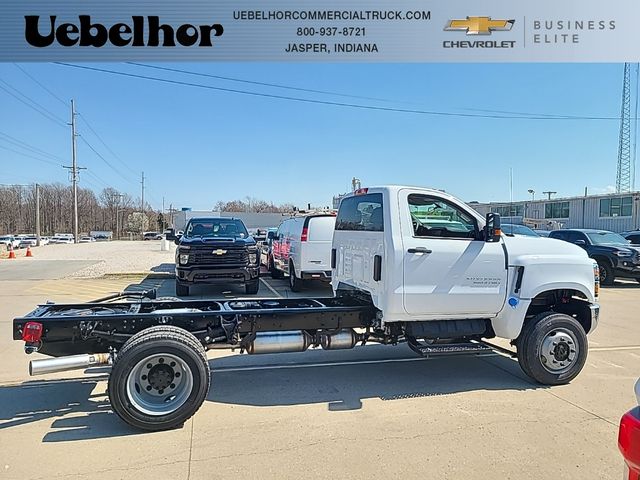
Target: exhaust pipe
point(342, 340)
point(72, 362)
point(280, 342)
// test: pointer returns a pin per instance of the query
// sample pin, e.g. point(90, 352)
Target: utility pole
point(549, 194)
point(74, 172)
point(119, 195)
point(37, 215)
point(142, 207)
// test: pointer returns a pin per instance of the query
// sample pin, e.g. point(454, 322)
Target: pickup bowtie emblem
point(219, 252)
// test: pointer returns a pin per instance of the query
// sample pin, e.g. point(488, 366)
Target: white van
point(301, 248)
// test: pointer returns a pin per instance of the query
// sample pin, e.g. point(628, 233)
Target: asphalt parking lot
point(371, 412)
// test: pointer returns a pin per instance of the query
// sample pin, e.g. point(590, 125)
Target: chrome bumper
point(595, 315)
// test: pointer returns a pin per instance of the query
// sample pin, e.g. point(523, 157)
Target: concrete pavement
point(371, 412)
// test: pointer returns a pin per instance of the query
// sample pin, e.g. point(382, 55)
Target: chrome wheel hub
point(159, 384)
point(559, 351)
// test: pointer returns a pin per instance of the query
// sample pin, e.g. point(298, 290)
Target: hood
point(213, 241)
point(618, 246)
point(521, 245)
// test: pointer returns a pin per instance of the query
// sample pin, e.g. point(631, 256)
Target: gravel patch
point(116, 257)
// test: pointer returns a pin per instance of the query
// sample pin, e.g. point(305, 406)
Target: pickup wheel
point(607, 277)
point(295, 283)
point(552, 348)
point(252, 287)
point(160, 378)
point(182, 290)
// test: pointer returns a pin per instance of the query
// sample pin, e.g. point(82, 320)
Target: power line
point(264, 84)
point(33, 105)
point(40, 84)
point(339, 104)
point(26, 146)
point(99, 155)
point(29, 156)
point(86, 122)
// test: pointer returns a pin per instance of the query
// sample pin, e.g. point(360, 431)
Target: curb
point(153, 275)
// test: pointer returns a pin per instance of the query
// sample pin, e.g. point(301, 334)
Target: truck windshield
point(599, 238)
point(216, 228)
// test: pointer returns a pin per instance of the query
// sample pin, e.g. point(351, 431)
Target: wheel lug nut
point(148, 388)
point(161, 391)
point(173, 364)
point(173, 385)
point(149, 365)
point(177, 374)
point(144, 377)
point(161, 360)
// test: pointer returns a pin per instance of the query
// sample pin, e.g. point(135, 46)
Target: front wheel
point(251, 288)
point(160, 378)
point(552, 348)
point(607, 277)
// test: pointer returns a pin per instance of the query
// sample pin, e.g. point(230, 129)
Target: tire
point(295, 284)
point(607, 277)
point(182, 290)
point(251, 288)
point(552, 348)
point(275, 273)
point(189, 381)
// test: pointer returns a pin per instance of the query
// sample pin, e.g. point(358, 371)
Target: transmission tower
point(624, 173)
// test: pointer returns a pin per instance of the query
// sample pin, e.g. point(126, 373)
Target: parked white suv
point(9, 240)
point(301, 248)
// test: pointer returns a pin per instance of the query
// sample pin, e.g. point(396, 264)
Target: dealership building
point(616, 212)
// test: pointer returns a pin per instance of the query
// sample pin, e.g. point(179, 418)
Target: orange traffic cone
point(12, 254)
point(29, 254)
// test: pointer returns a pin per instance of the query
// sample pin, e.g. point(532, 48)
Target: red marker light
point(629, 441)
point(361, 191)
point(32, 332)
point(305, 234)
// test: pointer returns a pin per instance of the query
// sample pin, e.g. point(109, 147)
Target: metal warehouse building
point(616, 212)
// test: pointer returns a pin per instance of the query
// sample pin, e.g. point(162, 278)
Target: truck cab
point(431, 264)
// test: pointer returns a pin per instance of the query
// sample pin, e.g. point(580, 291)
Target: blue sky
point(198, 146)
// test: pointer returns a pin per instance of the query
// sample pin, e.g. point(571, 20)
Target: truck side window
point(433, 217)
point(361, 212)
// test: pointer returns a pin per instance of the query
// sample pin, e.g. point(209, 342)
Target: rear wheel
point(252, 287)
point(295, 283)
point(552, 348)
point(607, 276)
point(182, 290)
point(160, 378)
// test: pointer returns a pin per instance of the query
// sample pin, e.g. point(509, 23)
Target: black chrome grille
point(206, 256)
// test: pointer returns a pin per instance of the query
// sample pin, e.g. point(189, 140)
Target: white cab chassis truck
point(409, 265)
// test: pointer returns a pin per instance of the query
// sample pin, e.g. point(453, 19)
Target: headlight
point(622, 253)
point(184, 258)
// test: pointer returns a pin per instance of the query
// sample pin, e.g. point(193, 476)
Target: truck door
point(448, 269)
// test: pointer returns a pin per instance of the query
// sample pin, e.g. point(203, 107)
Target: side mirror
point(271, 235)
point(580, 242)
point(177, 238)
point(492, 228)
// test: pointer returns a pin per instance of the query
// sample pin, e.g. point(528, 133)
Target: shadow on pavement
point(76, 412)
point(342, 383)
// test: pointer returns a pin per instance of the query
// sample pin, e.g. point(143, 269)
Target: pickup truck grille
point(205, 256)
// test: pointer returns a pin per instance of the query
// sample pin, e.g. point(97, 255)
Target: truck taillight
point(32, 332)
point(629, 441)
point(305, 234)
point(596, 280)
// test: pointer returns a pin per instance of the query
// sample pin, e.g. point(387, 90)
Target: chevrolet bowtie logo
point(479, 25)
point(219, 252)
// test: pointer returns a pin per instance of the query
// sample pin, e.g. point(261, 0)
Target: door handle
point(419, 250)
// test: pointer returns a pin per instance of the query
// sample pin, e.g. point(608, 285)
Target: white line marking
point(614, 349)
point(273, 290)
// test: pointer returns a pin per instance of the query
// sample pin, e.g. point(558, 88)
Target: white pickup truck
point(408, 265)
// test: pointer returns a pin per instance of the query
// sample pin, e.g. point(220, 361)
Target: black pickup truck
point(216, 251)
point(615, 255)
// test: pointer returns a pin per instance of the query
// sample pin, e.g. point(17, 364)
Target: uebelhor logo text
point(120, 34)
